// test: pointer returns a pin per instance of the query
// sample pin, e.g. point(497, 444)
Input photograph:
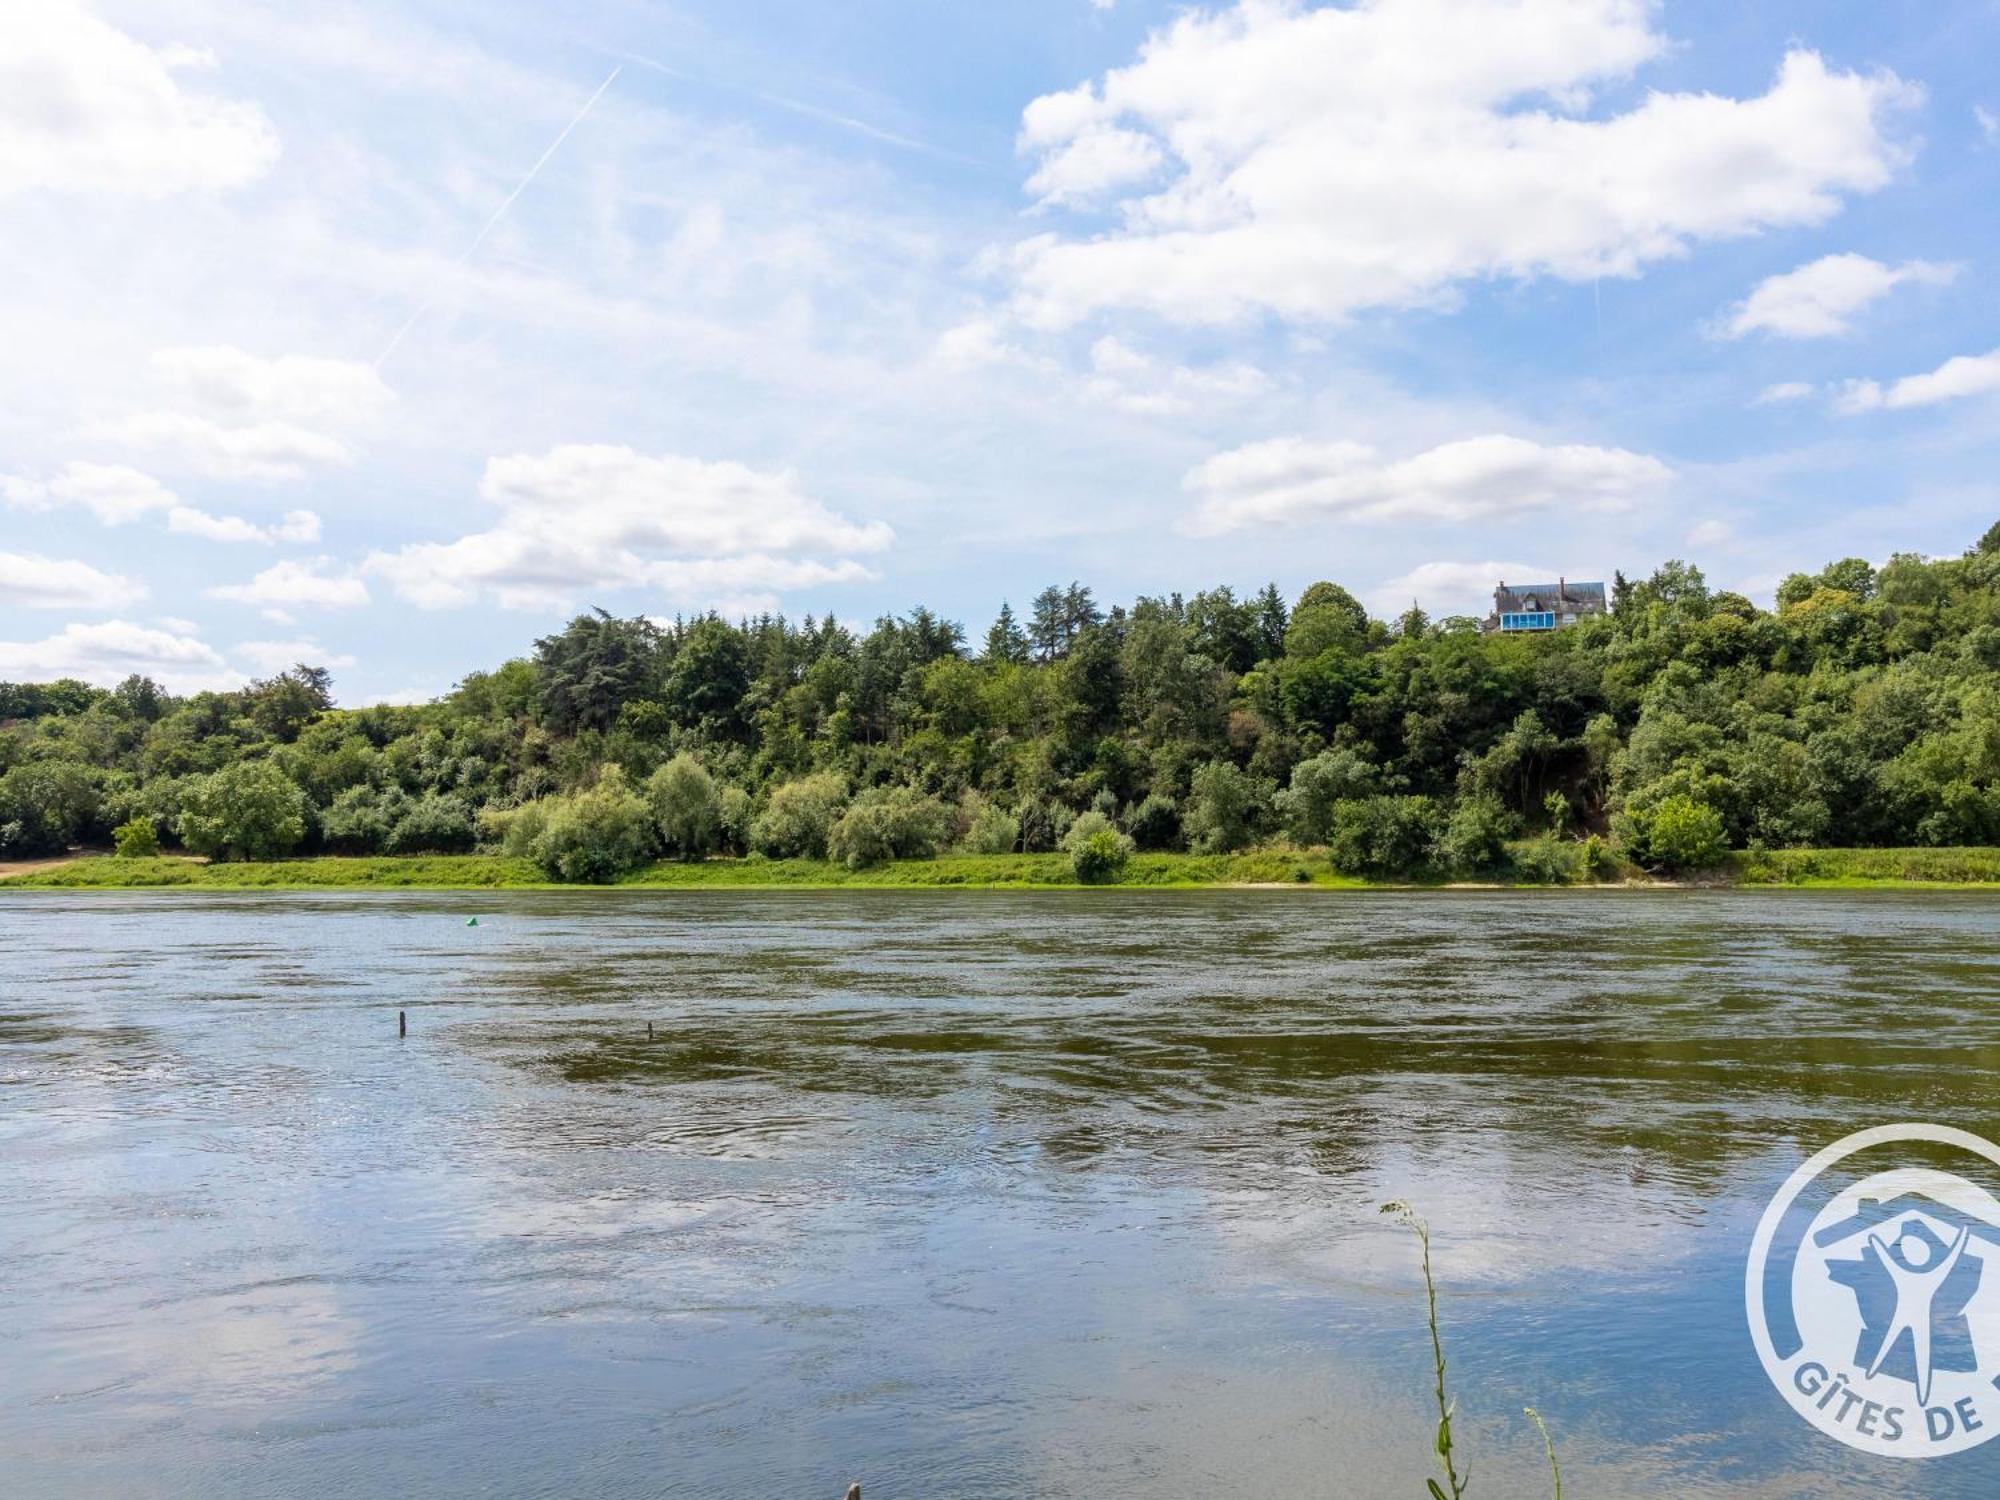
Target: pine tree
point(1006, 641)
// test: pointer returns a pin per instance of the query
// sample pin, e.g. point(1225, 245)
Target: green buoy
point(472, 921)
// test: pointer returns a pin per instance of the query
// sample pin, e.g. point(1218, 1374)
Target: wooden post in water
point(402, 1023)
point(649, 1031)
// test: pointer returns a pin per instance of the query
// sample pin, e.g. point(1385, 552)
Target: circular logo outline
point(1808, 1172)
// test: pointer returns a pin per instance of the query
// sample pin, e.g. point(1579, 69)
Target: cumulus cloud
point(107, 653)
point(1784, 390)
point(1286, 479)
point(1451, 588)
point(1955, 379)
point(269, 657)
point(230, 414)
point(586, 517)
point(31, 581)
point(1820, 300)
point(113, 493)
point(1989, 123)
point(292, 584)
point(86, 108)
point(117, 495)
point(296, 526)
point(1123, 377)
point(1312, 162)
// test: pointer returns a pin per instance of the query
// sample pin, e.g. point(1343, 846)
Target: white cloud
point(981, 343)
point(594, 517)
point(34, 582)
point(236, 415)
point(1989, 122)
point(1820, 299)
point(1784, 390)
point(1450, 588)
point(268, 657)
point(292, 584)
point(111, 492)
point(84, 107)
point(1711, 532)
point(1965, 375)
point(232, 384)
point(1135, 382)
point(297, 526)
point(1336, 158)
point(109, 652)
point(1474, 478)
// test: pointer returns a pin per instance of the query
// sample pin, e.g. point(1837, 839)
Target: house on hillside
point(1543, 606)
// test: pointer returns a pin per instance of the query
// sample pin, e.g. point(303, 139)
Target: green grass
point(488, 872)
point(1808, 868)
point(1857, 869)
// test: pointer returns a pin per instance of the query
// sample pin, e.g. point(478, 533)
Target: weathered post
point(402, 1023)
point(649, 1031)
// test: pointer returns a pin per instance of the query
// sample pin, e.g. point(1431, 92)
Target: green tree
point(137, 839)
point(248, 810)
point(596, 835)
point(798, 818)
point(1096, 849)
point(1686, 835)
point(1226, 809)
point(586, 675)
point(687, 808)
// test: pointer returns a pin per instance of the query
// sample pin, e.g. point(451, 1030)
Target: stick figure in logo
point(1918, 1277)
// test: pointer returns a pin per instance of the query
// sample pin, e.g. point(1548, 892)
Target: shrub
point(889, 823)
point(1384, 835)
point(1155, 823)
point(686, 807)
point(988, 829)
point(1547, 860)
point(1686, 835)
point(249, 810)
point(515, 829)
point(596, 835)
point(360, 819)
point(45, 805)
point(1475, 835)
point(435, 823)
point(1097, 850)
point(138, 839)
point(735, 830)
point(1332, 776)
point(1226, 808)
point(798, 818)
point(1043, 824)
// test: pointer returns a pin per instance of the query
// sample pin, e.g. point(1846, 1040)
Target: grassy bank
point(494, 872)
point(1806, 868)
point(1836, 869)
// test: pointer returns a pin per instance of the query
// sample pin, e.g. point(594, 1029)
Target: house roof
point(1569, 589)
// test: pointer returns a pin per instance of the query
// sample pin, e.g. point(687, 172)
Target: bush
point(435, 823)
point(249, 810)
point(1226, 809)
point(360, 819)
point(889, 823)
point(799, 817)
point(1686, 835)
point(1384, 835)
point(1475, 836)
point(595, 836)
point(1097, 850)
point(735, 811)
point(1333, 776)
point(1155, 823)
point(1547, 860)
point(686, 807)
point(515, 829)
point(988, 829)
point(138, 839)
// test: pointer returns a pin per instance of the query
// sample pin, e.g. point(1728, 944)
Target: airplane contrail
point(505, 204)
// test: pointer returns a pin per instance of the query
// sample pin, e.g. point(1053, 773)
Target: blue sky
point(858, 307)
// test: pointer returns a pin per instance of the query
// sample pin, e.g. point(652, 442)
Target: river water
point(962, 1195)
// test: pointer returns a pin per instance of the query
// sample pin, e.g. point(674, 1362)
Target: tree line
point(1863, 710)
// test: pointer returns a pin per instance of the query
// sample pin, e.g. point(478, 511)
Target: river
point(961, 1195)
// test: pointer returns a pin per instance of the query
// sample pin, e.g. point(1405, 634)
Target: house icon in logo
point(1913, 1272)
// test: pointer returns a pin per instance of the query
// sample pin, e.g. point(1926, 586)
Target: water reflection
point(975, 1194)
